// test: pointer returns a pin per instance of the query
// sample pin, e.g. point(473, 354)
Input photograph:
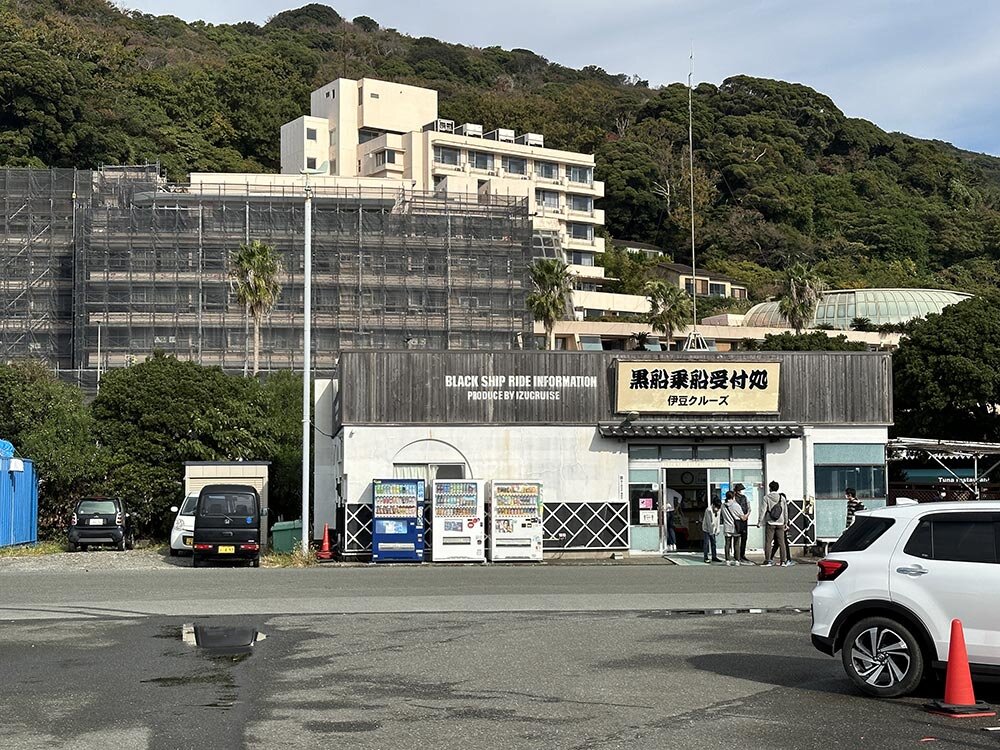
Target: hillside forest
point(781, 174)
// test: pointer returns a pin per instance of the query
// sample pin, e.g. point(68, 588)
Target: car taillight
point(74, 521)
point(830, 569)
point(120, 519)
point(250, 546)
point(203, 546)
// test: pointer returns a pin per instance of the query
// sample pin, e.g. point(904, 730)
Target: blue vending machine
point(398, 520)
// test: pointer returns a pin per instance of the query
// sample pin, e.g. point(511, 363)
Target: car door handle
point(917, 571)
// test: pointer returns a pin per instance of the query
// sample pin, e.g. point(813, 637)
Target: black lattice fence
point(586, 526)
point(357, 539)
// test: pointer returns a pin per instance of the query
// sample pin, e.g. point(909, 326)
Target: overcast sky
point(925, 67)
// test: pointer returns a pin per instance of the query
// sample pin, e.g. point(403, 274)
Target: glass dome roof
point(837, 308)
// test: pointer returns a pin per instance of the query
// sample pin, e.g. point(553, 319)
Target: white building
point(606, 433)
point(360, 132)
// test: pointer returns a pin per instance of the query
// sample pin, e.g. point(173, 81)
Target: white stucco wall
point(327, 461)
point(572, 462)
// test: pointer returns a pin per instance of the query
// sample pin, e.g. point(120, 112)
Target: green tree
point(550, 295)
point(255, 270)
point(946, 374)
point(799, 296)
point(630, 271)
point(814, 341)
point(669, 308)
point(282, 394)
point(47, 421)
point(154, 416)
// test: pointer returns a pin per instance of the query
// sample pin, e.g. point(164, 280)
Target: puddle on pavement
point(220, 642)
point(223, 646)
point(665, 613)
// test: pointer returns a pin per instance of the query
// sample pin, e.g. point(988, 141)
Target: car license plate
point(186, 540)
point(227, 549)
point(96, 521)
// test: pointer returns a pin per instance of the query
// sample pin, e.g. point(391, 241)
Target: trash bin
point(286, 536)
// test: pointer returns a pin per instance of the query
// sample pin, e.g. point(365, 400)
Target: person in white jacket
point(709, 528)
point(773, 516)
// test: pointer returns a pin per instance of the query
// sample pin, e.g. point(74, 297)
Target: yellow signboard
point(666, 387)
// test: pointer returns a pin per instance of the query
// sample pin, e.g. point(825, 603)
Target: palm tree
point(547, 302)
point(255, 269)
point(669, 308)
point(799, 296)
point(641, 338)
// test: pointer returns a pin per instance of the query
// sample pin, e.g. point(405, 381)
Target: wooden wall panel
point(412, 387)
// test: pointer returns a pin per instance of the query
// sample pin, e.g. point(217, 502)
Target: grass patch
point(288, 559)
point(34, 550)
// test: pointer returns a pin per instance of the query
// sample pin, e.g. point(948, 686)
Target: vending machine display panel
point(516, 529)
point(459, 521)
point(398, 520)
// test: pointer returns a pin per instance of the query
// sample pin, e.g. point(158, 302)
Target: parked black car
point(101, 520)
point(227, 524)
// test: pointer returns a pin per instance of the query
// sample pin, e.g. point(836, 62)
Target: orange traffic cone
point(324, 552)
point(959, 699)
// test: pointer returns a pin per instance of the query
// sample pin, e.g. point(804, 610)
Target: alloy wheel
point(880, 657)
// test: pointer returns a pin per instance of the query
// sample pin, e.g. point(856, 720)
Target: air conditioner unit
point(501, 134)
point(470, 129)
point(531, 139)
point(441, 126)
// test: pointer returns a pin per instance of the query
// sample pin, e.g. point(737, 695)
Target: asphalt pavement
point(84, 591)
point(505, 657)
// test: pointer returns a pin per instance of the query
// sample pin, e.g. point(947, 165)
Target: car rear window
point(959, 537)
point(97, 506)
point(228, 504)
point(190, 505)
point(862, 533)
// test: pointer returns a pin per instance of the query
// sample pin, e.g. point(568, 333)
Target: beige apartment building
point(366, 132)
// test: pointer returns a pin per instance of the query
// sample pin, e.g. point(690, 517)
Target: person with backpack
point(773, 516)
point(730, 514)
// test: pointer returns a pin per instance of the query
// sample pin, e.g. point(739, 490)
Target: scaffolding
point(39, 209)
point(144, 265)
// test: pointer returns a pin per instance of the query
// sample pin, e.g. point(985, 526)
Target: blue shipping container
point(18, 502)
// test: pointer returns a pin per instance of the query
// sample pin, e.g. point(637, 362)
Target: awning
point(642, 429)
point(902, 449)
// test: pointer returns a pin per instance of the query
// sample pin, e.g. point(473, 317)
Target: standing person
point(773, 516)
point(709, 528)
point(730, 514)
point(853, 504)
point(743, 527)
point(671, 503)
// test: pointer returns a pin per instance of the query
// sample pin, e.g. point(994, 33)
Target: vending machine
point(515, 521)
point(458, 522)
point(398, 520)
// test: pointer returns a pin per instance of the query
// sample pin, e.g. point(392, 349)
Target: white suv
point(891, 585)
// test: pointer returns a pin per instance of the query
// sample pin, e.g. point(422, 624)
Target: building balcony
point(595, 245)
point(606, 302)
point(593, 216)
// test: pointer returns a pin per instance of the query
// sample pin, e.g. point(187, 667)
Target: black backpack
point(775, 512)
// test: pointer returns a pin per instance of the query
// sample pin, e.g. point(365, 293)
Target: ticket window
point(644, 496)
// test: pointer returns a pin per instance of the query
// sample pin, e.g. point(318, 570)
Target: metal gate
point(801, 523)
point(586, 526)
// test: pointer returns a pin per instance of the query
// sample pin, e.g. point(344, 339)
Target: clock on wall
point(687, 478)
